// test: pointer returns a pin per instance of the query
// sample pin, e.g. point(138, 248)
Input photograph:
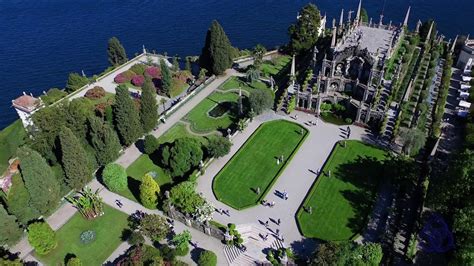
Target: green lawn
point(137, 170)
point(254, 165)
point(202, 122)
point(11, 138)
point(179, 131)
point(108, 229)
point(236, 82)
point(272, 67)
point(342, 202)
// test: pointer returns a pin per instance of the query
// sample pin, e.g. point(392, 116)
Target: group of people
point(269, 204)
point(222, 211)
point(119, 203)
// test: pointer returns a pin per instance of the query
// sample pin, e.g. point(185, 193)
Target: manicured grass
point(202, 122)
point(177, 87)
point(236, 82)
point(272, 67)
point(342, 202)
point(108, 229)
point(179, 131)
point(11, 138)
point(144, 164)
point(254, 165)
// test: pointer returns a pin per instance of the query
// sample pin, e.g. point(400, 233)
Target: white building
point(466, 56)
point(26, 105)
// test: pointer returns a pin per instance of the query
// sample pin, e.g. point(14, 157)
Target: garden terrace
point(108, 232)
point(340, 203)
point(150, 163)
point(258, 156)
point(409, 61)
point(274, 66)
point(234, 83)
point(417, 87)
point(202, 120)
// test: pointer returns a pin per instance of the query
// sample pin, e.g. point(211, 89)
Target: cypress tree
point(39, 180)
point(116, 52)
point(304, 34)
point(104, 140)
point(74, 159)
point(10, 231)
point(149, 190)
point(149, 106)
point(18, 201)
point(126, 116)
point(165, 77)
point(216, 55)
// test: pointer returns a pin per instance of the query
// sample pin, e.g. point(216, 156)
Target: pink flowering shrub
point(153, 72)
point(120, 78)
point(138, 80)
point(125, 76)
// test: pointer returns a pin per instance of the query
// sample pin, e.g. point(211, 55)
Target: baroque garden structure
point(351, 70)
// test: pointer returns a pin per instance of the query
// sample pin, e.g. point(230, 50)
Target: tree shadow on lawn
point(365, 173)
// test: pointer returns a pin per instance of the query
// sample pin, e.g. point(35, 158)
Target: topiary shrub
point(138, 80)
point(207, 258)
point(95, 93)
point(151, 144)
point(87, 236)
point(125, 76)
point(182, 250)
point(115, 177)
point(41, 237)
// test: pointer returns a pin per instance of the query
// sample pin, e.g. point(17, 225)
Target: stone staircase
point(252, 236)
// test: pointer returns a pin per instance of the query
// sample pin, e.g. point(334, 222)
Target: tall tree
point(75, 81)
point(39, 180)
point(165, 77)
point(257, 54)
point(364, 16)
point(149, 190)
point(115, 52)
point(104, 140)
point(10, 231)
point(187, 66)
point(149, 106)
point(126, 116)
point(18, 201)
point(79, 111)
point(216, 55)
point(260, 100)
point(74, 160)
point(185, 154)
point(175, 63)
point(304, 34)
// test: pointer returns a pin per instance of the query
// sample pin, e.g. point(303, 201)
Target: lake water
point(42, 41)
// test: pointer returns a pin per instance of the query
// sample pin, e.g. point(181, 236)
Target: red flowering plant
point(153, 72)
point(138, 80)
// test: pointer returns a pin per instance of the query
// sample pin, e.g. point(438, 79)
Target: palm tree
point(253, 74)
point(257, 54)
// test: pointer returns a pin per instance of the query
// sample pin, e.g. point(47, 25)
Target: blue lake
point(42, 41)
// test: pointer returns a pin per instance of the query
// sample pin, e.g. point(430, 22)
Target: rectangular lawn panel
point(255, 165)
point(202, 122)
point(144, 164)
point(108, 230)
point(235, 82)
point(342, 202)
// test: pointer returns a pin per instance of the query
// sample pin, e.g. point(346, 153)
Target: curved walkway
point(296, 179)
point(190, 130)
